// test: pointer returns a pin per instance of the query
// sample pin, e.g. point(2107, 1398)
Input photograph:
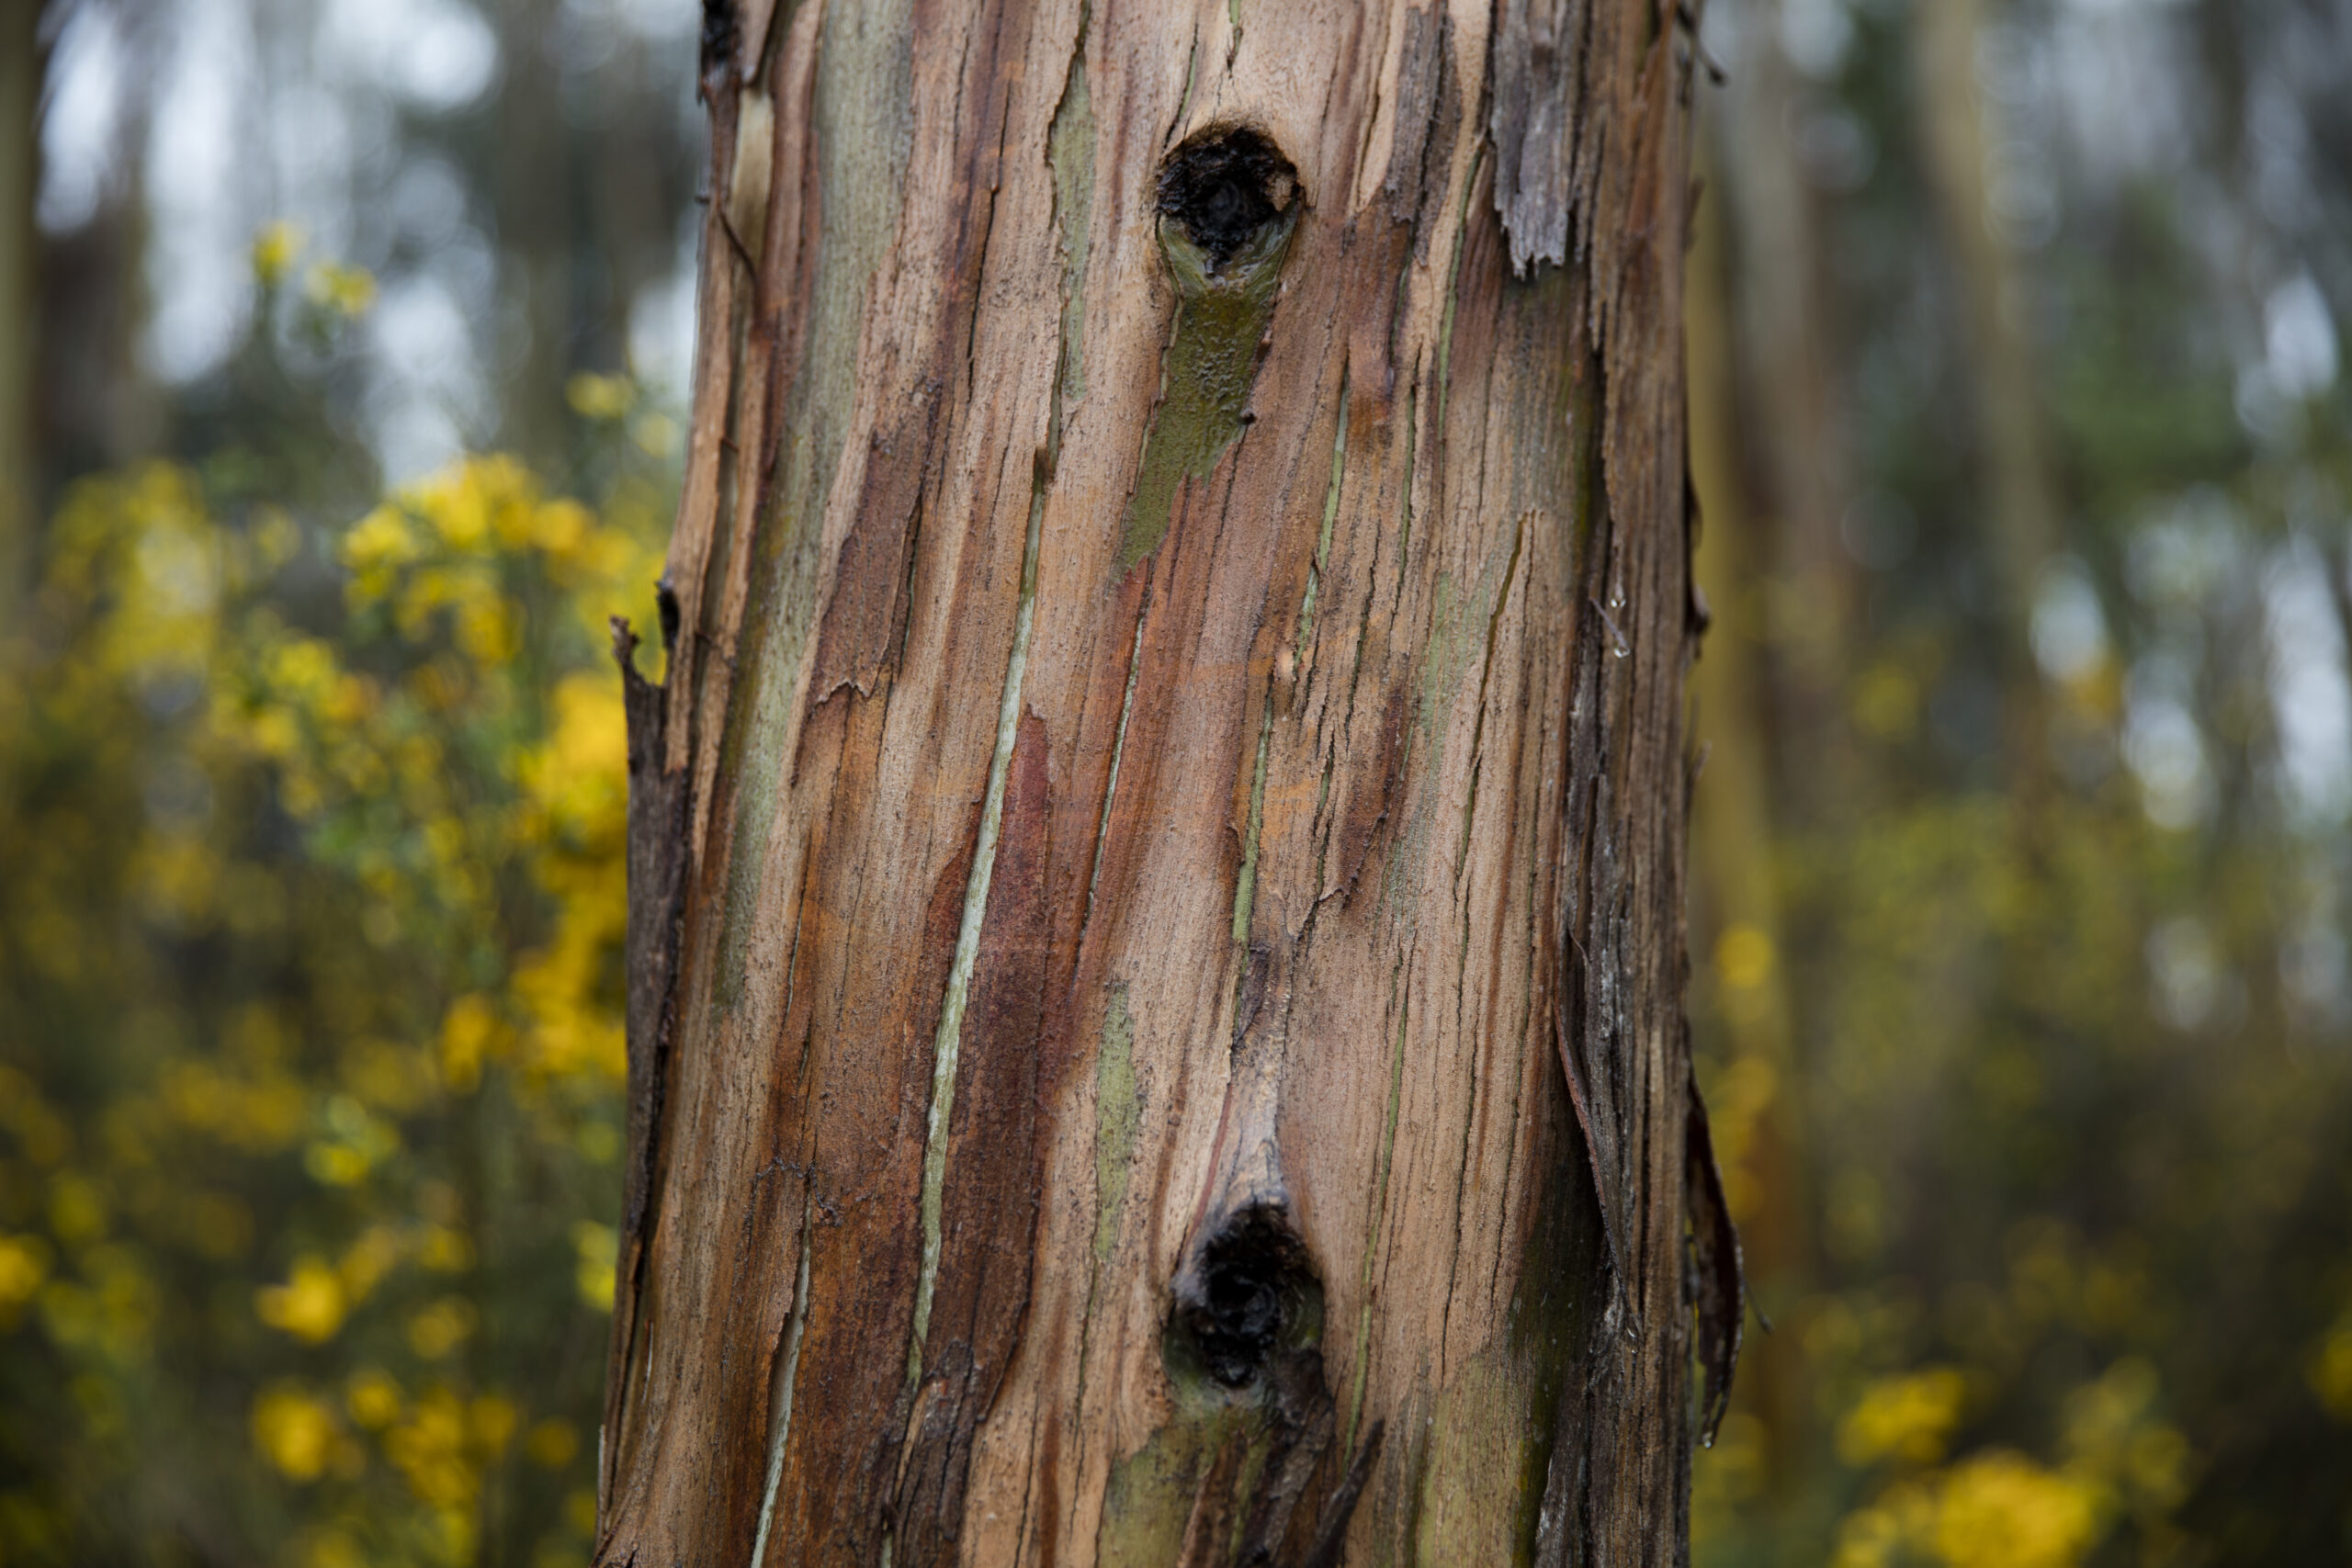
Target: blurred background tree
point(2019, 431)
point(2024, 1003)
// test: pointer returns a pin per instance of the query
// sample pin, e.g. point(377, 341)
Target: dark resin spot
point(1224, 186)
point(1243, 1299)
point(717, 32)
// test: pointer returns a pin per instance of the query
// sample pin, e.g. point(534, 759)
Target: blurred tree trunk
point(1156, 869)
point(2015, 499)
point(94, 404)
point(1738, 825)
point(536, 233)
point(20, 79)
point(1796, 594)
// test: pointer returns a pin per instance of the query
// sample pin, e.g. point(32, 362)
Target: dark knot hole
point(1252, 1291)
point(1224, 186)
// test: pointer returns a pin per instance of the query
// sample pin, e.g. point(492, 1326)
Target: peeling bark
point(1166, 1043)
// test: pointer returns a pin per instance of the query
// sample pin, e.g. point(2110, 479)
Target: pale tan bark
point(1168, 1046)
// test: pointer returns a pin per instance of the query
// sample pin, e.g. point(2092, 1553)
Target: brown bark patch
point(868, 603)
point(988, 1206)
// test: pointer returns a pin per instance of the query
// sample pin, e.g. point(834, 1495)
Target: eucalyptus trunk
point(1156, 861)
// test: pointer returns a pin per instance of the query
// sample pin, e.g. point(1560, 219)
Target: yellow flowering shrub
point(1995, 1509)
point(310, 1094)
point(1908, 1416)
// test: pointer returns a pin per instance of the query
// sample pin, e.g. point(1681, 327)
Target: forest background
point(342, 347)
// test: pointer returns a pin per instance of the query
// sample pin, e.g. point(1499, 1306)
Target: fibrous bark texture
point(1156, 1028)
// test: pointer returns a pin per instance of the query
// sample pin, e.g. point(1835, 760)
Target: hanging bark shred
point(655, 858)
point(1718, 1288)
point(1539, 123)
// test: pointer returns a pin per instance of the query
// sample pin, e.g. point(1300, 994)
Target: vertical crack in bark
point(1453, 291)
point(1331, 1536)
point(1330, 514)
point(947, 1049)
point(1405, 490)
point(785, 1380)
point(1070, 153)
point(1118, 753)
point(1485, 678)
point(1401, 1002)
point(1245, 886)
point(1462, 954)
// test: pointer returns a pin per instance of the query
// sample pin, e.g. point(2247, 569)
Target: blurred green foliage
point(310, 1113)
point(2022, 883)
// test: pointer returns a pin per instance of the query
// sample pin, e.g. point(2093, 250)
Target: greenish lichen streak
point(1212, 362)
point(1245, 888)
point(1400, 999)
point(863, 139)
point(1114, 1120)
point(1152, 1493)
point(1149, 1498)
point(1070, 150)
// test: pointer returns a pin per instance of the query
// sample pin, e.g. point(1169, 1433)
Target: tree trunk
point(1156, 912)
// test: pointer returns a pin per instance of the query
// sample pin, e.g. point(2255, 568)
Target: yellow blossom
point(551, 1443)
point(489, 1421)
point(599, 397)
point(275, 249)
point(2001, 1510)
point(445, 1250)
point(372, 1397)
point(489, 629)
point(368, 1259)
point(332, 1549)
point(471, 1033)
point(294, 1431)
point(310, 1305)
point(77, 1210)
point(352, 1143)
point(599, 1250)
point(2331, 1368)
point(429, 1449)
point(559, 527)
point(441, 1327)
point(1744, 957)
point(23, 1264)
point(656, 436)
point(345, 290)
point(1908, 1417)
